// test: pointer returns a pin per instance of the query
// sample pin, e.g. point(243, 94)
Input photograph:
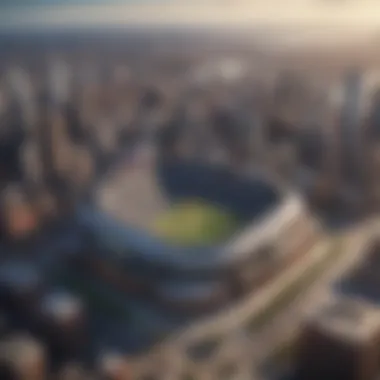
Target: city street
point(284, 325)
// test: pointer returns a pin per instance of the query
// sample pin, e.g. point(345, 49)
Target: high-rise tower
point(351, 126)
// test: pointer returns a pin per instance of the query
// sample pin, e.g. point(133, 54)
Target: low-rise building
point(341, 340)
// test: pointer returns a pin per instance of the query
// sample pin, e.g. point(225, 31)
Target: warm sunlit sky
point(347, 15)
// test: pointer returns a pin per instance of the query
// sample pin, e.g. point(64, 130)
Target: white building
point(60, 79)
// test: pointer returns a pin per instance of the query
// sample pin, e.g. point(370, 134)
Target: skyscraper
point(59, 81)
point(351, 126)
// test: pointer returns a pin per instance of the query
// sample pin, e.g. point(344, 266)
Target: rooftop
point(348, 318)
point(364, 279)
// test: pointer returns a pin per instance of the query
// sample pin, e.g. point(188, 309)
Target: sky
point(345, 17)
point(15, 3)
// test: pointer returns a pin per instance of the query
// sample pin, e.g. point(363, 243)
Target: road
point(246, 351)
point(238, 315)
point(285, 324)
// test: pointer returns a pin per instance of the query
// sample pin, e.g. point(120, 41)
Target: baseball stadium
point(192, 237)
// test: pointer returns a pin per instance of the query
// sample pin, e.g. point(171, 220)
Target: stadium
point(146, 240)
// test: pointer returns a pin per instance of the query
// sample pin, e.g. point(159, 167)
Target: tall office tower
point(149, 118)
point(21, 287)
point(5, 99)
point(121, 75)
point(59, 81)
point(372, 151)
point(251, 110)
point(285, 161)
point(43, 136)
point(12, 136)
point(105, 137)
point(285, 113)
point(232, 133)
point(191, 116)
point(257, 137)
point(372, 171)
point(284, 87)
point(311, 148)
point(22, 358)
point(62, 319)
point(22, 90)
point(60, 145)
point(114, 366)
point(74, 371)
point(340, 341)
point(290, 96)
point(75, 128)
point(372, 84)
point(31, 164)
point(373, 126)
point(351, 126)
point(18, 217)
point(330, 165)
point(56, 153)
point(82, 171)
point(74, 164)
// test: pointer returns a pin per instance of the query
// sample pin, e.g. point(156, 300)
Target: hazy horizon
point(324, 19)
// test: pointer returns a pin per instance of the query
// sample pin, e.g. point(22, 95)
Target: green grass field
point(195, 223)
